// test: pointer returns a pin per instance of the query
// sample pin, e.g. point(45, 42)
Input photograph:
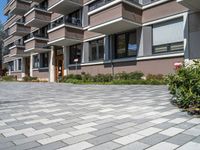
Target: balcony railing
point(39, 7)
point(100, 3)
point(146, 2)
point(67, 21)
point(37, 35)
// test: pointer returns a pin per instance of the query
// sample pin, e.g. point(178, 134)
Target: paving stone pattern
point(45, 116)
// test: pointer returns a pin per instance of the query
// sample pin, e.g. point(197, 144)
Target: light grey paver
point(190, 146)
point(134, 146)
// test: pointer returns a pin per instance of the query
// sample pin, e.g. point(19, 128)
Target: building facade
point(52, 38)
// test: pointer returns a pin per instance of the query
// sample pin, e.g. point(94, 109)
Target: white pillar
point(52, 65)
point(23, 67)
point(66, 60)
point(31, 65)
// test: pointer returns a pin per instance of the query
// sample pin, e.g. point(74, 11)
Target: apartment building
point(52, 38)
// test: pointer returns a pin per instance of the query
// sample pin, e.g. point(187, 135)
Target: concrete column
point(186, 36)
point(66, 60)
point(106, 48)
point(23, 67)
point(144, 40)
point(52, 65)
point(31, 65)
point(85, 52)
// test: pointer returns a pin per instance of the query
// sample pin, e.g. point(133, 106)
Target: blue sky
point(2, 4)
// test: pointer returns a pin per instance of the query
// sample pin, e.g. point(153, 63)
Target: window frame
point(72, 48)
point(127, 39)
point(43, 59)
point(97, 43)
point(34, 61)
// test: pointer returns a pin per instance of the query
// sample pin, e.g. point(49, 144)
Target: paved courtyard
point(44, 116)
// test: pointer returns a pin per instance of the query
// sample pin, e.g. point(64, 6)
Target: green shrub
point(29, 79)
point(129, 76)
point(185, 86)
point(9, 78)
point(155, 77)
point(103, 78)
point(87, 78)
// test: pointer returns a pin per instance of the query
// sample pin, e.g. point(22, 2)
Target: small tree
point(2, 36)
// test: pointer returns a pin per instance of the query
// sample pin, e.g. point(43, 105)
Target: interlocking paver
point(44, 116)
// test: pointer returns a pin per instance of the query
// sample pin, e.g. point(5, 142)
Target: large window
point(168, 36)
point(75, 53)
point(96, 50)
point(36, 61)
point(44, 60)
point(11, 65)
point(19, 64)
point(126, 45)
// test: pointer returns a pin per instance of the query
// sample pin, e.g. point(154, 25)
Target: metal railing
point(100, 3)
point(67, 21)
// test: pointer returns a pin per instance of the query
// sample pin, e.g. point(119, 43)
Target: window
point(126, 45)
point(19, 64)
point(172, 47)
point(168, 36)
point(75, 53)
point(96, 50)
point(35, 61)
point(44, 60)
point(11, 65)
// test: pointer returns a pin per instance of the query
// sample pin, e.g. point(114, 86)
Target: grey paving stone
point(102, 139)
point(154, 139)
point(29, 139)
point(180, 139)
point(24, 146)
point(134, 146)
point(6, 145)
point(51, 146)
point(106, 146)
point(104, 131)
point(78, 139)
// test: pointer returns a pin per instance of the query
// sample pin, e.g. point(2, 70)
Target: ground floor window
point(96, 50)
point(11, 65)
point(126, 45)
point(36, 61)
point(44, 60)
point(19, 64)
point(75, 53)
point(168, 36)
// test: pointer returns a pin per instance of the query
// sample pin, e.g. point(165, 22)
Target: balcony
point(191, 4)
point(65, 32)
point(36, 43)
point(17, 50)
point(37, 17)
point(19, 7)
point(19, 29)
point(115, 17)
point(64, 6)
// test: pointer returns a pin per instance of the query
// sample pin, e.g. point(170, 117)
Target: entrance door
point(59, 67)
point(27, 66)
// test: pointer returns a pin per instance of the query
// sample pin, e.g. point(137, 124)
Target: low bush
point(119, 78)
point(9, 78)
point(185, 87)
point(129, 76)
point(30, 79)
point(103, 78)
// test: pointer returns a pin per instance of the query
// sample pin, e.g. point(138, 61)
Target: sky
point(2, 5)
